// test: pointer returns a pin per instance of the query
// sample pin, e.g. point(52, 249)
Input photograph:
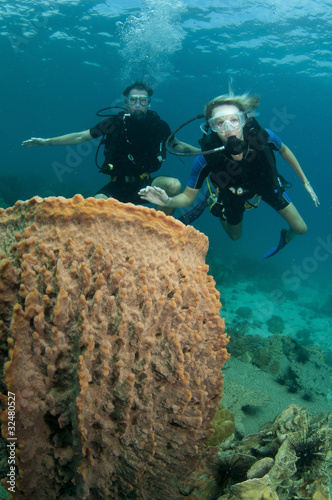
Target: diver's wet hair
point(138, 86)
point(244, 102)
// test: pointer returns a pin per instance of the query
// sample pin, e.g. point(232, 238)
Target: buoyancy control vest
point(134, 148)
point(258, 160)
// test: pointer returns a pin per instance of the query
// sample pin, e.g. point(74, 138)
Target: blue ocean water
point(64, 60)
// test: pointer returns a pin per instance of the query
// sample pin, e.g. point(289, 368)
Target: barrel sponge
point(112, 341)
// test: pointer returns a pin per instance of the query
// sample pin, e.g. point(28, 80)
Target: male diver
point(134, 147)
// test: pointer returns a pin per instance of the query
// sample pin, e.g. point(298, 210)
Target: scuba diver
point(238, 156)
point(134, 147)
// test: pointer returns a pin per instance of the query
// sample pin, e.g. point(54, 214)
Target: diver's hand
point(154, 195)
point(35, 141)
point(312, 193)
point(212, 198)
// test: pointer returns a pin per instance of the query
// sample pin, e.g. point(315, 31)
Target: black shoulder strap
point(209, 141)
point(157, 126)
point(258, 138)
point(255, 135)
point(109, 142)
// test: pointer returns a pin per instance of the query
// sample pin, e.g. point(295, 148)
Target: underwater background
point(64, 60)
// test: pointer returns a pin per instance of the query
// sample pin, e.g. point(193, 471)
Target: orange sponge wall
point(112, 341)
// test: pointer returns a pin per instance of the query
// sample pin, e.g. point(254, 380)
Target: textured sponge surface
point(113, 344)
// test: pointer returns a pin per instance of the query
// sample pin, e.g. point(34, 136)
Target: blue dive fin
point(280, 246)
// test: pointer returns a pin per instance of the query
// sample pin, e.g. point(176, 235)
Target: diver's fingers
point(154, 195)
point(312, 194)
point(34, 141)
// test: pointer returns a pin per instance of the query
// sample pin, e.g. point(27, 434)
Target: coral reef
point(223, 425)
point(275, 324)
point(301, 369)
point(292, 458)
point(243, 312)
point(112, 341)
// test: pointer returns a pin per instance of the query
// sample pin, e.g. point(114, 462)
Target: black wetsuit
point(239, 181)
point(134, 148)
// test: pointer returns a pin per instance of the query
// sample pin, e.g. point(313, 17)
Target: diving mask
point(227, 122)
point(143, 100)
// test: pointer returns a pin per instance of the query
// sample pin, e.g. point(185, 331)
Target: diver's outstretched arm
point(62, 140)
point(291, 159)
